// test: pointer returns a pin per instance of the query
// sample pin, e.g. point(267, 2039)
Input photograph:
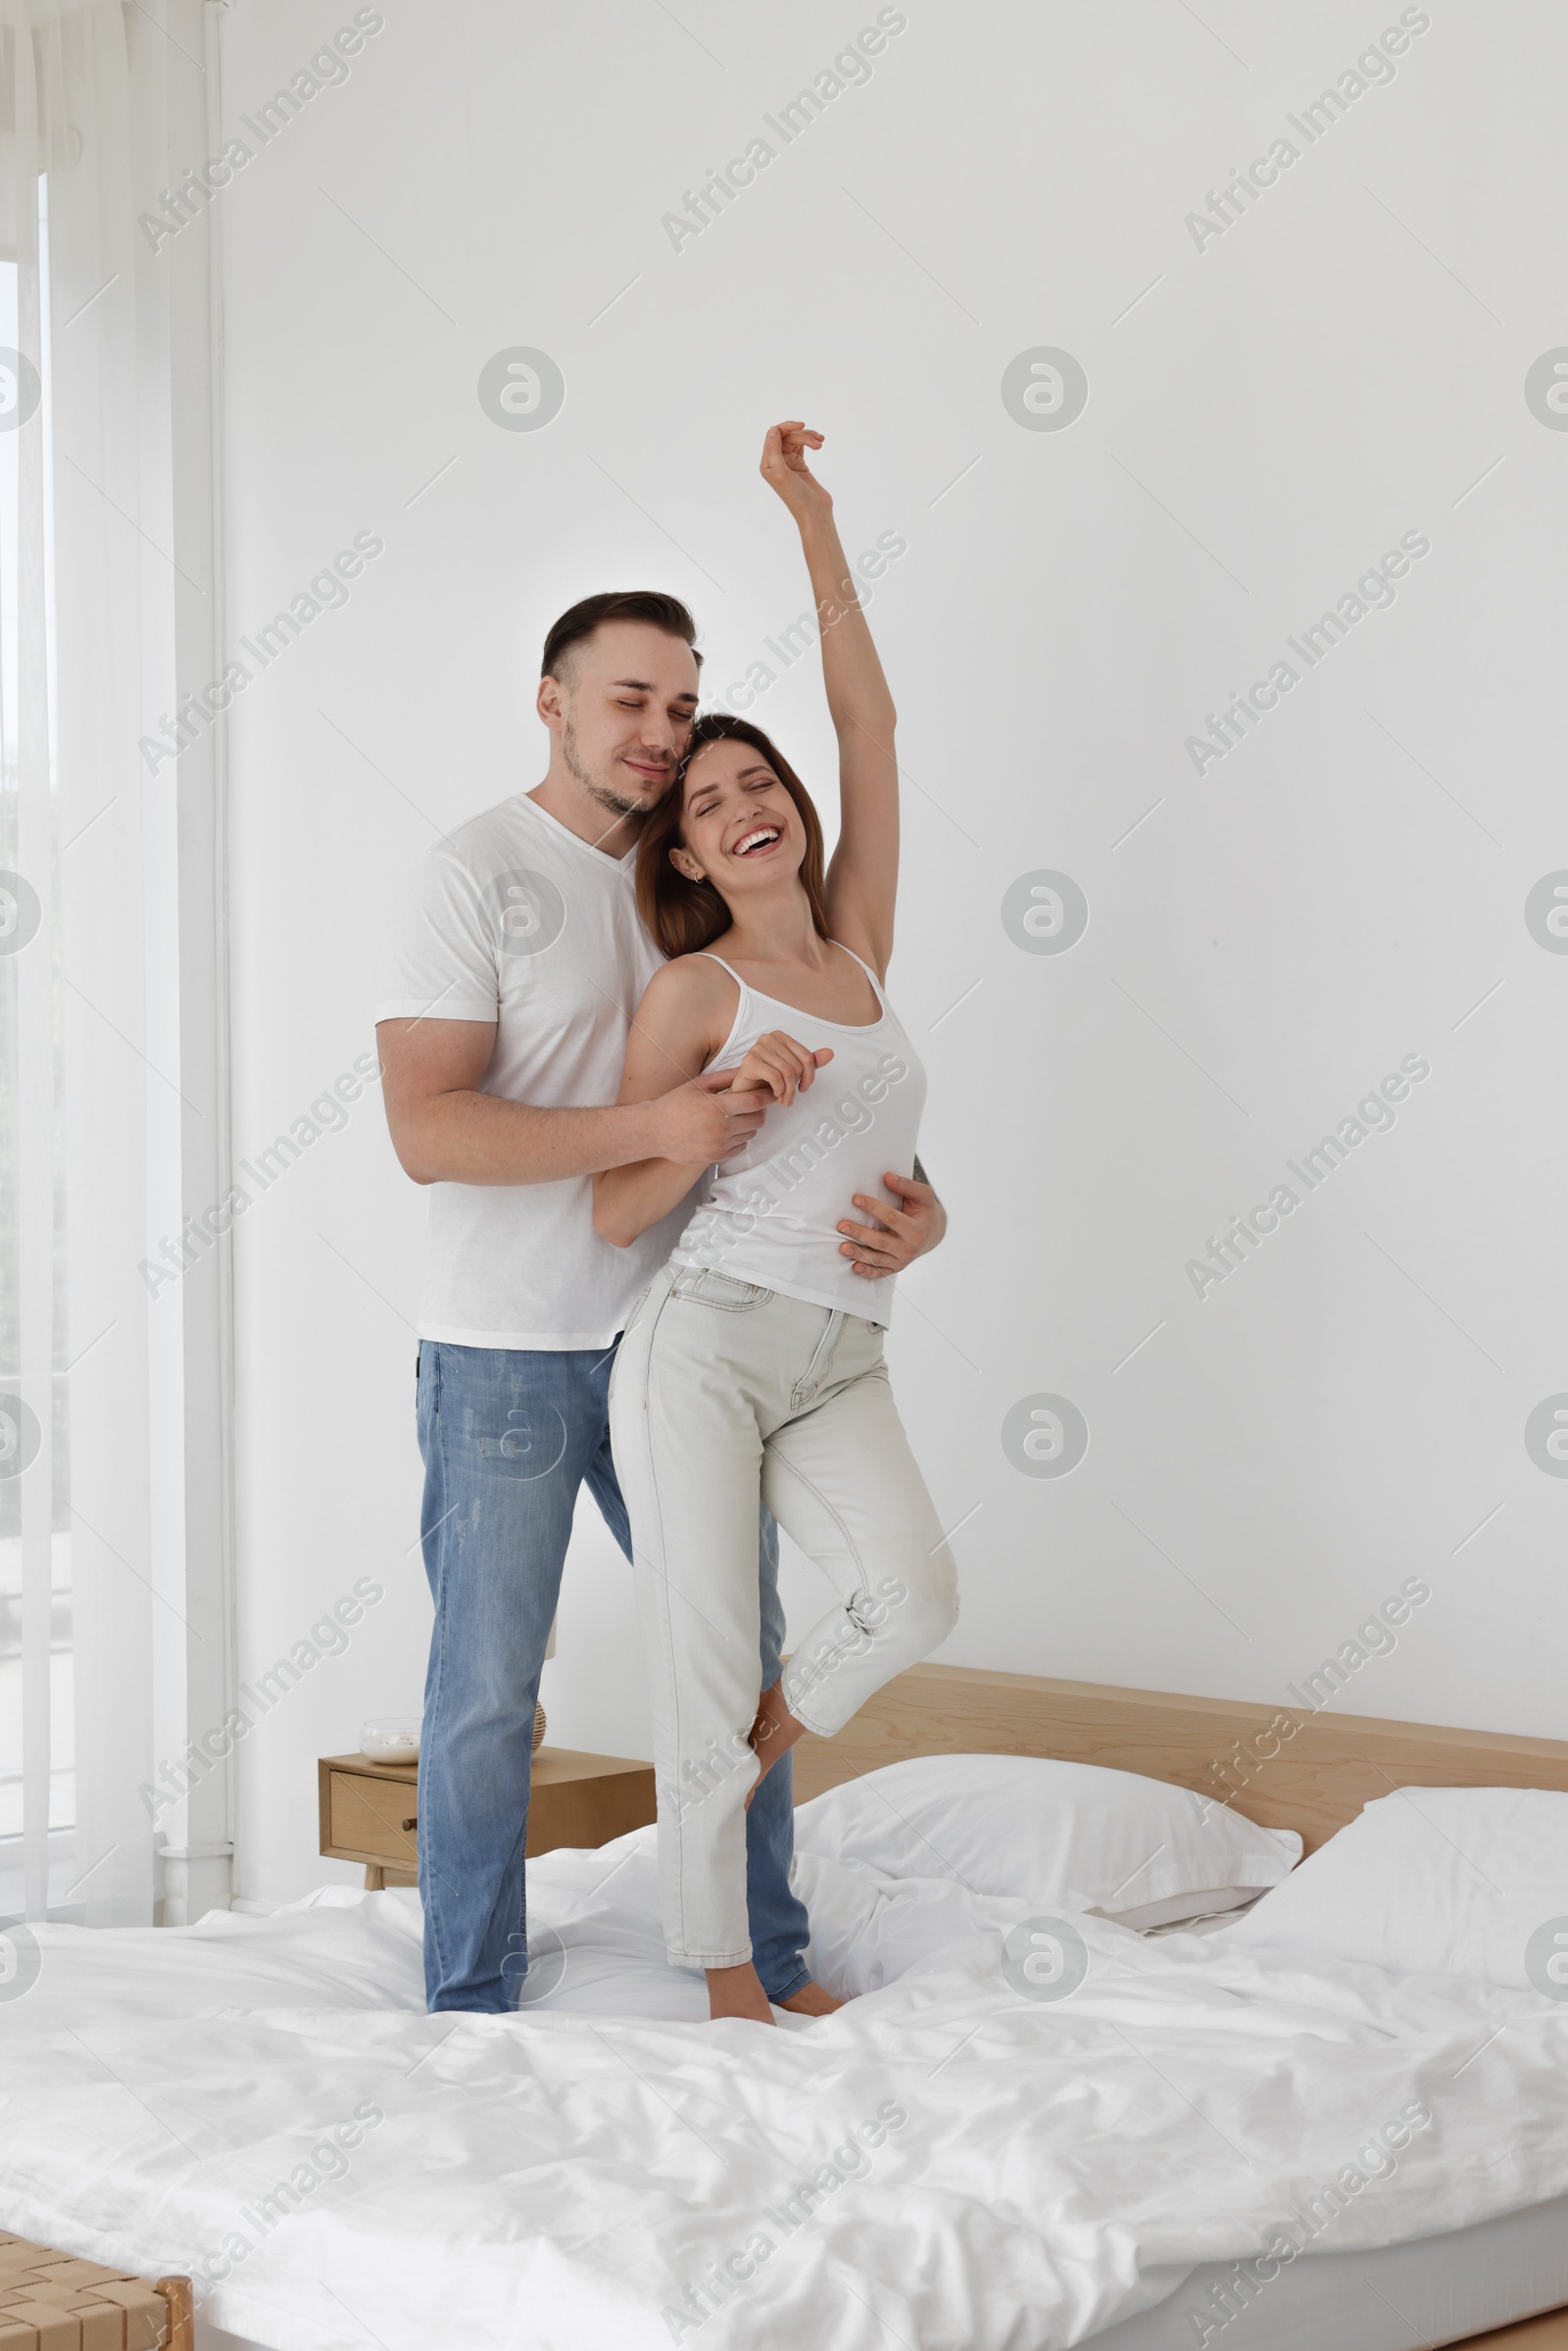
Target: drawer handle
point(412, 1821)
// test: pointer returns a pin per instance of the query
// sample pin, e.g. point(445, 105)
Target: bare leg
point(772, 1735)
point(738, 1992)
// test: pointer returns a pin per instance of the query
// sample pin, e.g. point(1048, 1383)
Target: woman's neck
point(778, 930)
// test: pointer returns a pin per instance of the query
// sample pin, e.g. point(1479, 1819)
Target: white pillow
point(1435, 1882)
point(1137, 1850)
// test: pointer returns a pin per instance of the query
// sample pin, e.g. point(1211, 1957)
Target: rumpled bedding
point(1020, 2131)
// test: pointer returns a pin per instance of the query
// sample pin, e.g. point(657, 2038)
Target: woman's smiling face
point(740, 822)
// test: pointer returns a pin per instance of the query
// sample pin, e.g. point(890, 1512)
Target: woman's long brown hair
point(685, 916)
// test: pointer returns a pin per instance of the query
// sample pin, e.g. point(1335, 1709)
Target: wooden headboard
point(1282, 1766)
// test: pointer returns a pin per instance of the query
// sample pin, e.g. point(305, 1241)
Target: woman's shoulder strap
point(881, 993)
point(708, 953)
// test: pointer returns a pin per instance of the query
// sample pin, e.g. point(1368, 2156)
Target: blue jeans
point(508, 1437)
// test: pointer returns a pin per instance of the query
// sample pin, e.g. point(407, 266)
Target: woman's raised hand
point(778, 1065)
point(784, 468)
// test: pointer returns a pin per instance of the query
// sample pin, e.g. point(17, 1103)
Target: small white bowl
point(391, 1738)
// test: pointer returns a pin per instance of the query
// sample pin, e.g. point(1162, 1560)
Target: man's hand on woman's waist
point(898, 1235)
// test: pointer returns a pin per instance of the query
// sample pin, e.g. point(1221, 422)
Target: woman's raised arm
point(862, 878)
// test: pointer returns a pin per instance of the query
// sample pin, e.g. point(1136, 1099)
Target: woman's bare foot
point(811, 2000)
point(772, 1735)
point(738, 1992)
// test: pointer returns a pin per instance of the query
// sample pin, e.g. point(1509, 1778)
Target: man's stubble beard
point(614, 804)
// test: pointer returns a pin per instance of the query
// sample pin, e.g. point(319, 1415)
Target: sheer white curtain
point(81, 570)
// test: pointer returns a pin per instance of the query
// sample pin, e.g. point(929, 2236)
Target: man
point(502, 1025)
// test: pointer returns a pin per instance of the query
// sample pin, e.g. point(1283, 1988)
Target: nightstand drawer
point(365, 1818)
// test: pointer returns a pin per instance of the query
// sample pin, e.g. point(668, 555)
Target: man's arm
point(446, 1131)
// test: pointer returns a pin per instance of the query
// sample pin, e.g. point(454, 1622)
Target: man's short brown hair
point(575, 627)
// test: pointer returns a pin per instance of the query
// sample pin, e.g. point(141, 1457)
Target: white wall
point(1339, 891)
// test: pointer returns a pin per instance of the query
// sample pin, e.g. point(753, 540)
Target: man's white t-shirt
point(514, 919)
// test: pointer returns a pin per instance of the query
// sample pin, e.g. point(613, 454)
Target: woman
point(754, 1360)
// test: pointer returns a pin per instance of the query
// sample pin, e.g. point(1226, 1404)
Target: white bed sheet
point(1405, 2297)
point(570, 2177)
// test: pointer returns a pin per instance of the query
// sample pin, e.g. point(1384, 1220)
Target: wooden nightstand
point(370, 1810)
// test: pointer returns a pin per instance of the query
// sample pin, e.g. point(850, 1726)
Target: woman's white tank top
point(772, 1213)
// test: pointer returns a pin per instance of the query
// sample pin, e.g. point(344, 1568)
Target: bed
point(593, 2170)
point(1289, 1769)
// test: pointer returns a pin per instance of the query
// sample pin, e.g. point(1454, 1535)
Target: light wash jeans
point(507, 1438)
point(724, 1391)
